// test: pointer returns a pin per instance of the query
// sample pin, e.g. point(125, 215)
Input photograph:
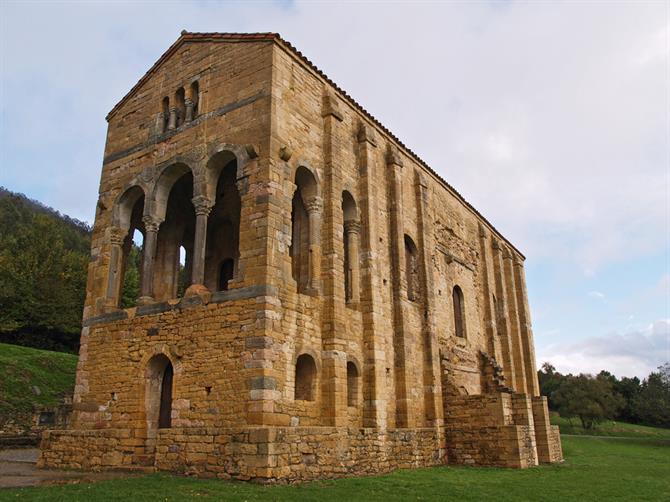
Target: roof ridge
point(276, 37)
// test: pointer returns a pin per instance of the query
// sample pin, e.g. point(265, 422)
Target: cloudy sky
point(552, 118)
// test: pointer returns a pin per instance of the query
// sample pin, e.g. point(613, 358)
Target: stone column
point(117, 237)
point(314, 208)
point(160, 122)
point(202, 206)
point(432, 386)
point(489, 321)
point(375, 393)
point(395, 165)
point(172, 122)
point(352, 228)
point(502, 318)
point(532, 383)
point(151, 226)
point(515, 331)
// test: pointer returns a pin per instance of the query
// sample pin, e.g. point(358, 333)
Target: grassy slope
point(609, 428)
point(595, 469)
point(22, 368)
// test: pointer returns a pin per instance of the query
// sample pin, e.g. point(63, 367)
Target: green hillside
point(31, 377)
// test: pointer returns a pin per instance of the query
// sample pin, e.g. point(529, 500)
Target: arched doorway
point(159, 378)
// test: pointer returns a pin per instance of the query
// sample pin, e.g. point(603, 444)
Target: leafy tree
point(590, 399)
point(653, 402)
point(131, 278)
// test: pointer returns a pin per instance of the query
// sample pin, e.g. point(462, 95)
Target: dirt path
point(17, 469)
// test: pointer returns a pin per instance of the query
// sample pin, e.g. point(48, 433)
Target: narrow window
point(459, 312)
point(195, 97)
point(165, 113)
point(165, 414)
point(352, 384)
point(226, 273)
point(305, 378)
point(411, 269)
point(181, 106)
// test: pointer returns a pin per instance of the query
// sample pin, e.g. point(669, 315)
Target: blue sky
point(552, 118)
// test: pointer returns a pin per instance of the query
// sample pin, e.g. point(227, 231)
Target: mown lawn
point(609, 428)
point(31, 377)
point(595, 469)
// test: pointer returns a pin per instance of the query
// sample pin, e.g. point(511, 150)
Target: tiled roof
point(275, 37)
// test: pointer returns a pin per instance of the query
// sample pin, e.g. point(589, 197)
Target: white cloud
point(597, 294)
point(634, 353)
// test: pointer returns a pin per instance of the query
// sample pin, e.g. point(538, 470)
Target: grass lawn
point(609, 428)
point(595, 469)
point(31, 376)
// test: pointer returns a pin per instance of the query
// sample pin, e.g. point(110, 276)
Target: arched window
point(132, 269)
point(350, 233)
point(195, 97)
point(411, 269)
point(305, 378)
point(459, 312)
point(301, 233)
point(126, 261)
point(352, 384)
point(158, 393)
point(180, 104)
point(223, 224)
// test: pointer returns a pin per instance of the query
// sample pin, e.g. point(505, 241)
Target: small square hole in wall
point(152, 331)
point(208, 390)
point(385, 281)
point(381, 239)
point(114, 396)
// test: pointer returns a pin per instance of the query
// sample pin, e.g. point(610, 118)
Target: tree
point(590, 399)
point(653, 402)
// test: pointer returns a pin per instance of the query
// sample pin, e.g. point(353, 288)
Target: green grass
point(22, 369)
point(595, 469)
point(609, 428)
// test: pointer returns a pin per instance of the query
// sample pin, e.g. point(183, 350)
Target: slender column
point(502, 319)
point(532, 383)
point(202, 206)
point(515, 331)
point(160, 122)
point(489, 310)
point(151, 226)
point(375, 392)
point(117, 237)
point(314, 208)
point(353, 228)
point(395, 164)
point(172, 122)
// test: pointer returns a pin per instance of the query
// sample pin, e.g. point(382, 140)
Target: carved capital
point(366, 134)
point(352, 227)
point(518, 261)
point(495, 244)
point(314, 204)
point(251, 151)
point(393, 157)
point(151, 223)
point(117, 235)
point(331, 106)
point(202, 205)
point(482, 231)
point(506, 253)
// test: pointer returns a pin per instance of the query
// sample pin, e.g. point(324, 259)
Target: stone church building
point(315, 301)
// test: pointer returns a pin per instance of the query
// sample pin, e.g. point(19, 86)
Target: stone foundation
point(263, 454)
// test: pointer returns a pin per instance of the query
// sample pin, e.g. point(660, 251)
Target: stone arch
point(459, 312)
point(305, 378)
point(124, 204)
point(159, 387)
point(350, 237)
point(223, 226)
point(305, 229)
point(353, 382)
point(165, 180)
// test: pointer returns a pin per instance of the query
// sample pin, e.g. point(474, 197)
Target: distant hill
point(30, 378)
point(43, 265)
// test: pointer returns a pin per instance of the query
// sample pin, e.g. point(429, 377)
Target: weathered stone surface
point(328, 266)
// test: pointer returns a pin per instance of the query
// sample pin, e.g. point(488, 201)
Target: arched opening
point(195, 97)
point(301, 232)
point(165, 111)
point(132, 269)
point(159, 378)
point(223, 224)
point(459, 312)
point(305, 378)
point(174, 248)
point(226, 273)
point(180, 104)
point(352, 384)
point(411, 269)
point(350, 236)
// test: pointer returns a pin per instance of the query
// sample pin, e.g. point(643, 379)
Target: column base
point(145, 300)
point(197, 290)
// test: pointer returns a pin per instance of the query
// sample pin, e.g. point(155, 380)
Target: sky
point(551, 118)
